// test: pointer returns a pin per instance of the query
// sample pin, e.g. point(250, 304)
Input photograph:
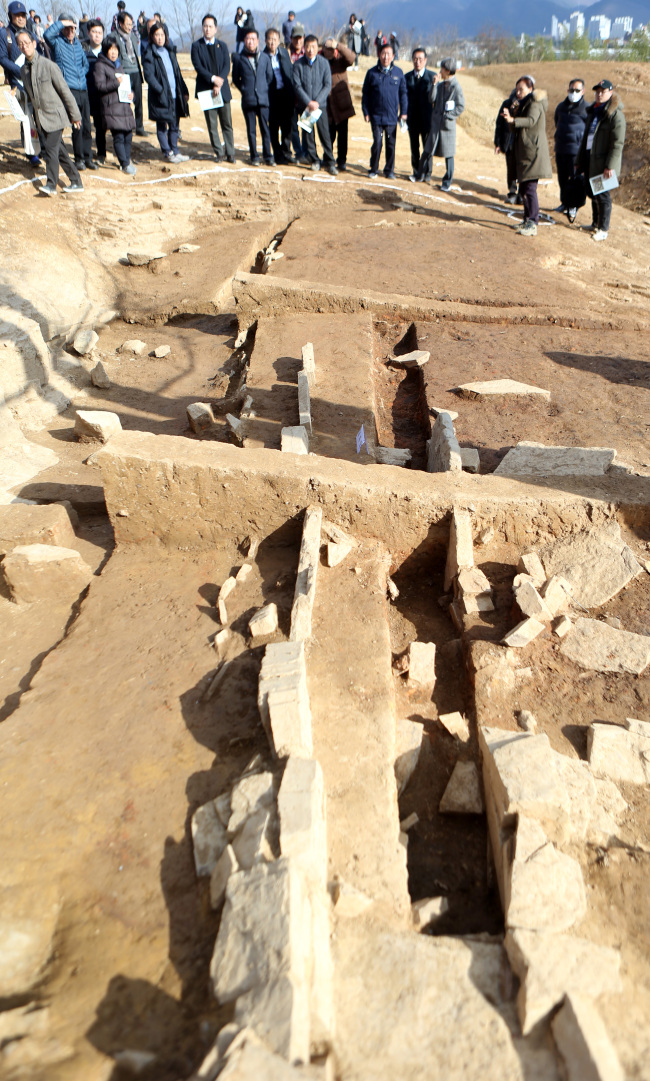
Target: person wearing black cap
point(601, 151)
point(10, 54)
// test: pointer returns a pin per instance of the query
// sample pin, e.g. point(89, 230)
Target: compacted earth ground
point(112, 731)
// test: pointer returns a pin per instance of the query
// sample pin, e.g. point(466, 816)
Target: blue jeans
point(122, 146)
point(167, 137)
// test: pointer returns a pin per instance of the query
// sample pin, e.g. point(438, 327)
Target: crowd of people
point(65, 73)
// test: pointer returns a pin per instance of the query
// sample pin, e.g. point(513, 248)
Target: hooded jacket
point(69, 55)
point(609, 137)
point(531, 145)
point(570, 118)
point(117, 115)
point(384, 97)
point(54, 105)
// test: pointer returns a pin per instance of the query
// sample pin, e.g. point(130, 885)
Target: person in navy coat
point(211, 61)
point(384, 101)
point(252, 74)
point(281, 97)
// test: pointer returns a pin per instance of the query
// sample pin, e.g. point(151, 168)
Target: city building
point(621, 27)
point(599, 28)
point(577, 23)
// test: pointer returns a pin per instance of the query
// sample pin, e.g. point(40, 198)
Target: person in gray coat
point(312, 82)
point(54, 109)
point(448, 104)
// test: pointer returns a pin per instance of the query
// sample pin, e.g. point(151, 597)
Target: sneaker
point(269, 162)
point(101, 161)
point(47, 189)
point(332, 170)
point(389, 176)
point(446, 185)
point(303, 161)
point(315, 166)
point(72, 189)
point(511, 198)
point(600, 234)
point(413, 178)
point(255, 161)
point(519, 225)
point(231, 159)
point(130, 169)
point(561, 209)
point(177, 158)
point(34, 160)
point(372, 176)
point(91, 165)
point(572, 213)
point(529, 229)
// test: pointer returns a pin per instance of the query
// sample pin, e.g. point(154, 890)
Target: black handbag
point(575, 192)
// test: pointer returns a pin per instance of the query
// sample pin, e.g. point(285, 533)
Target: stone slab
point(309, 363)
point(209, 838)
point(283, 699)
point(264, 622)
point(583, 1042)
point(443, 449)
point(96, 425)
point(470, 459)
point(249, 794)
point(303, 822)
point(416, 359)
point(392, 455)
point(594, 645)
point(463, 792)
point(596, 563)
point(523, 633)
point(308, 560)
point(529, 600)
point(85, 340)
point(422, 666)
point(456, 725)
point(262, 956)
point(34, 572)
point(252, 842)
point(549, 966)
point(537, 460)
point(485, 390)
point(99, 377)
point(617, 754)
point(408, 745)
point(546, 890)
point(294, 440)
point(530, 564)
point(304, 402)
point(460, 550)
point(21, 523)
point(200, 416)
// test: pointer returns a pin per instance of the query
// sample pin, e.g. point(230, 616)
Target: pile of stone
point(472, 590)
point(539, 802)
point(295, 439)
point(39, 561)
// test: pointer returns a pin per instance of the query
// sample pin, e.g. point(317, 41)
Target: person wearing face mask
point(601, 151)
point(570, 120)
point(531, 148)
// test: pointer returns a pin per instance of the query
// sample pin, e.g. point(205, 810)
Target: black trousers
point(136, 87)
point(252, 116)
point(565, 164)
point(418, 132)
point(55, 154)
point(601, 204)
point(223, 116)
point(340, 132)
point(511, 170)
point(281, 104)
point(82, 139)
point(378, 133)
point(323, 127)
point(100, 134)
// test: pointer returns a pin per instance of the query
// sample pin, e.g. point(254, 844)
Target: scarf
point(126, 38)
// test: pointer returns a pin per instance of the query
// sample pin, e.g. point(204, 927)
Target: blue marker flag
point(361, 439)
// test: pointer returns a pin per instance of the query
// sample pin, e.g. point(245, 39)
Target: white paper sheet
point(207, 101)
point(125, 89)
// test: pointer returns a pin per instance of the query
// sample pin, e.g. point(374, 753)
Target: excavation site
point(325, 624)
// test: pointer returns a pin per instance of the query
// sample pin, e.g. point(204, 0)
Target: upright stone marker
point(303, 601)
point(304, 402)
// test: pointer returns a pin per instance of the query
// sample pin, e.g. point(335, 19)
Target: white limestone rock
point(99, 377)
point(427, 910)
point(161, 351)
point(486, 390)
point(583, 1042)
point(283, 700)
point(470, 459)
point(546, 890)
point(529, 600)
point(253, 791)
point(435, 411)
point(416, 359)
point(619, 753)
point(294, 440)
point(135, 346)
point(301, 807)
point(443, 453)
point(263, 954)
point(96, 425)
point(85, 340)
point(422, 666)
point(187, 249)
point(209, 838)
point(526, 720)
point(264, 622)
point(562, 626)
point(530, 564)
point(244, 571)
point(557, 594)
point(460, 550)
point(200, 416)
point(26, 944)
point(34, 572)
point(308, 562)
point(304, 402)
point(252, 842)
point(550, 966)
point(22, 523)
point(597, 646)
point(392, 455)
point(463, 794)
point(308, 362)
point(336, 553)
point(538, 460)
point(596, 563)
point(456, 725)
point(140, 258)
point(523, 634)
point(235, 429)
point(409, 822)
point(408, 745)
point(472, 580)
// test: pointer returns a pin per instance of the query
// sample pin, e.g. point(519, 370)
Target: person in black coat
point(570, 121)
point(504, 143)
point(211, 61)
point(117, 115)
point(252, 74)
point(168, 94)
point(418, 87)
point(281, 98)
point(92, 48)
point(244, 24)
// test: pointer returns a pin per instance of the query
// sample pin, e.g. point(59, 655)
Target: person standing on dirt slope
point(570, 120)
point(129, 46)
point(92, 49)
point(448, 103)
point(168, 94)
point(211, 60)
point(68, 52)
point(10, 54)
point(117, 115)
point(418, 87)
point(504, 143)
point(281, 98)
point(252, 74)
point(287, 27)
point(355, 39)
point(312, 83)
point(531, 149)
point(54, 108)
point(339, 103)
point(601, 151)
point(384, 101)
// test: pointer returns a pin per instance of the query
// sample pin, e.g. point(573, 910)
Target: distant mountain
point(467, 18)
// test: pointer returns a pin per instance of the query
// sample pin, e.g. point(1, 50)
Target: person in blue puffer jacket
point(384, 101)
point(69, 54)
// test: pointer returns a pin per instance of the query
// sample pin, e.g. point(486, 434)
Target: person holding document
point(601, 154)
point(168, 95)
point(112, 87)
point(312, 82)
point(211, 60)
